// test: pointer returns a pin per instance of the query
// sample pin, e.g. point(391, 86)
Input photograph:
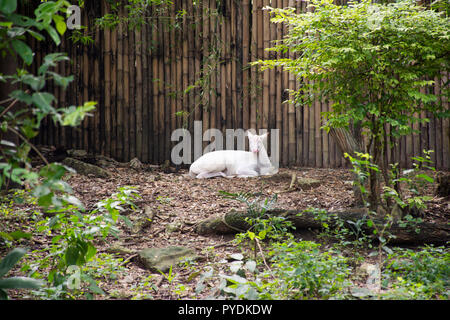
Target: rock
point(307, 183)
point(372, 272)
point(118, 249)
point(136, 164)
point(160, 259)
point(443, 188)
point(106, 162)
point(77, 153)
point(86, 168)
point(174, 227)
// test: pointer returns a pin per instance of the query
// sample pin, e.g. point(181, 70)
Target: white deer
point(235, 163)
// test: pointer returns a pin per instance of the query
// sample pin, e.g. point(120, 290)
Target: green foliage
point(306, 272)
point(6, 264)
point(346, 233)
point(262, 225)
point(299, 271)
point(370, 59)
point(422, 274)
point(35, 103)
point(415, 180)
point(137, 13)
point(375, 62)
point(73, 236)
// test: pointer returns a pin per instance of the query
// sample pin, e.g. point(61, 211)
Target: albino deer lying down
point(232, 163)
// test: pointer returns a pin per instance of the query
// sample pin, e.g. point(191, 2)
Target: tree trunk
point(234, 222)
point(347, 143)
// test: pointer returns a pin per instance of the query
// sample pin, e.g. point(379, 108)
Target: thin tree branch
point(17, 133)
point(11, 105)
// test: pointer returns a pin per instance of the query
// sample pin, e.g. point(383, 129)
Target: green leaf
point(61, 26)
point(36, 35)
point(17, 235)
point(74, 116)
point(93, 285)
point(43, 101)
point(21, 96)
point(20, 283)
point(8, 6)
point(53, 34)
point(61, 81)
point(23, 50)
point(36, 83)
point(10, 260)
point(425, 177)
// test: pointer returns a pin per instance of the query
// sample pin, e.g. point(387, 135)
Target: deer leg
point(246, 172)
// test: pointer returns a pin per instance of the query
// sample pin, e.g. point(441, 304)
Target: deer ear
point(249, 133)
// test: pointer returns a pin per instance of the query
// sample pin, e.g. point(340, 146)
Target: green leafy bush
point(22, 113)
point(305, 272)
point(298, 270)
point(73, 237)
point(422, 274)
point(6, 264)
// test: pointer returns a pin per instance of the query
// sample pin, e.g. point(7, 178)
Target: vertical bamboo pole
point(114, 91)
point(86, 82)
point(179, 72)
point(265, 29)
point(285, 134)
point(223, 70)
point(272, 82)
point(439, 147)
point(132, 48)
point(156, 55)
point(205, 65)
point(291, 111)
point(99, 128)
point(332, 143)
point(185, 61)
point(219, 66)
point(228, 58)
point(432, 135)
point(238, 63)
point(107, 67)
point(191, 65)
point(147, 97)
point(164, 72)
point(120, 94)
point(254, 71)
point(213, 60)
point(279, 81)
point(127, 110)
point(171, 81)
point(245, 60)
point(446, 128)
point(138, 151)
point(232, 80)
point(325, 141)
point(69, 94)
point(198, 59)
point(260, 43)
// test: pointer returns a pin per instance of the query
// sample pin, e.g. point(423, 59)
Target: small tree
point(372, 61)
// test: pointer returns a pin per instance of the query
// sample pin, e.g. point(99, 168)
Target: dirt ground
point(178, 199)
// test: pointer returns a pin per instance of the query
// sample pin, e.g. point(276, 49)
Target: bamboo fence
point(150, 81)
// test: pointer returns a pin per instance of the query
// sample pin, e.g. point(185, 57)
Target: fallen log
point(417, 233)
